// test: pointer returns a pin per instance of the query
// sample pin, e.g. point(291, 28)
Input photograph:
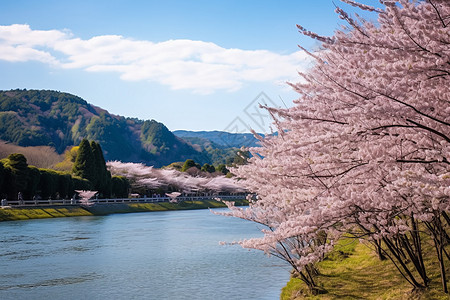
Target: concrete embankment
point(56, 211)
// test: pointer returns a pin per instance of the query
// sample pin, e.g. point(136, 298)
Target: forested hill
point(60, 120)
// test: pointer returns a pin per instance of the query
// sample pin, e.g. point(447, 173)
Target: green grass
point(73, 211)
point(353, 271)
point(147, 207)
point(14, 214)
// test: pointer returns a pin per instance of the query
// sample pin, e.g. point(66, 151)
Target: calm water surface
point(157, 255)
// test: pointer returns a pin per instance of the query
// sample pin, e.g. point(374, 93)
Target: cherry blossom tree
point(365, 150)
point(173, 196)
point(147, 177)
point(86, 196)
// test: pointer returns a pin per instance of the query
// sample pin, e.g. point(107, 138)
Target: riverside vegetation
point(83, 168)
point(86, 170)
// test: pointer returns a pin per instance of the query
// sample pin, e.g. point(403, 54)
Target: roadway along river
point(157, 255)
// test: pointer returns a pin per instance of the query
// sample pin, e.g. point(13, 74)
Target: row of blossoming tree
point(364, 153)
point(144, 179)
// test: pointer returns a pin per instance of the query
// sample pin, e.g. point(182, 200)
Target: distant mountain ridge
point(60, 120)
point(220, 139)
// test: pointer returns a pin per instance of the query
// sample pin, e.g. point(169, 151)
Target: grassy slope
point(353, 271)
point(12, 214)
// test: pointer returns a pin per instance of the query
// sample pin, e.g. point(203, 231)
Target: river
point(156, 255)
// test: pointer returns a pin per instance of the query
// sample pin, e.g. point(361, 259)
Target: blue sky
point(194, 65)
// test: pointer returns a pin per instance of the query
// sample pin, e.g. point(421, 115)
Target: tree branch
point(438, 13)
point(413, 161)
point(430, 130)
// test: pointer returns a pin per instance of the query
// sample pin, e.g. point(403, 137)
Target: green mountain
point(61, 120)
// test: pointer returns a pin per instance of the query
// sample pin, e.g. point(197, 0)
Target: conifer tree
point(103, 177)
point(84, 165)
point(96, 153)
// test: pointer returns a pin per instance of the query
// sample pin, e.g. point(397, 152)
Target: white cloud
point(22, 53)
point(202, 67)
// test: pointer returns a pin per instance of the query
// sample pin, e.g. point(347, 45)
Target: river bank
point(58, 211)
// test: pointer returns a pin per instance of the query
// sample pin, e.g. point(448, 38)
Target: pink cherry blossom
point(365, 150)
point(141, 176)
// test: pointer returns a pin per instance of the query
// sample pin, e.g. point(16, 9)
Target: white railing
point(46, 202)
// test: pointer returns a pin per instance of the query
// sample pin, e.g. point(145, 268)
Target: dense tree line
point(16, 176)
point(89, 173)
